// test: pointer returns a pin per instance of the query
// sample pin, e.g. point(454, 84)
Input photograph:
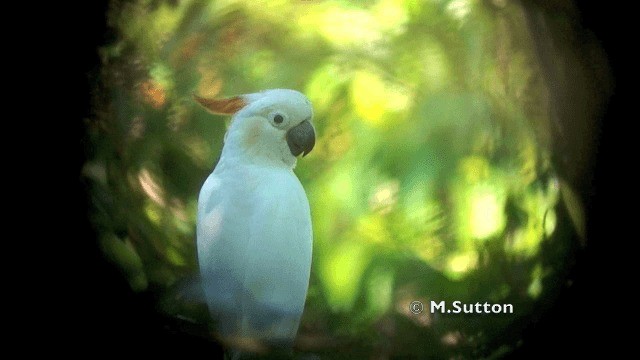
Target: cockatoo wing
point(254, 227)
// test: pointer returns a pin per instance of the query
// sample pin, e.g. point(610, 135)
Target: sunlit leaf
point(461, 263)
point(341, 272)
point(374, 98)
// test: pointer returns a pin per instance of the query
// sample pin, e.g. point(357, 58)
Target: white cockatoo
point(254, 234)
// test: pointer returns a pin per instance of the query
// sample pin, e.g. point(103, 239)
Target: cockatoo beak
point(227, 106)
point(301, 138)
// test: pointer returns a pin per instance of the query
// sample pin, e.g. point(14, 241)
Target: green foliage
point(431, 179)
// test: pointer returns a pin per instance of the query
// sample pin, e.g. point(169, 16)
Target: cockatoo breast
point(254, 248)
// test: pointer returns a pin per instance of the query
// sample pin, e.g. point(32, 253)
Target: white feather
point(254, 229)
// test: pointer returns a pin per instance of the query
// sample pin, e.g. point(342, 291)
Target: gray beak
point(301, 138)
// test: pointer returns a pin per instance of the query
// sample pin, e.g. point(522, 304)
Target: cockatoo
point(254, 235)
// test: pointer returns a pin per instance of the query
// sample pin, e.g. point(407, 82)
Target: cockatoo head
point(271, 127)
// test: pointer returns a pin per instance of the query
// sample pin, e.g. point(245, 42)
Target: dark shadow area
point(584, 320)
point(108, 318)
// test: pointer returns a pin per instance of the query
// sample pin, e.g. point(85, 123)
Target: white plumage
point(254, 233)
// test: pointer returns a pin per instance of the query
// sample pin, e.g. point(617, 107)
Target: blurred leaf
point(341, 271)
point(124, 255)
point(574, 207)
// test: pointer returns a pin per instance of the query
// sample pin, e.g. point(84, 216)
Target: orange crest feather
point(227, 106)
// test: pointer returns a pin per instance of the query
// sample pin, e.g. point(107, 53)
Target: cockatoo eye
point(278, 119)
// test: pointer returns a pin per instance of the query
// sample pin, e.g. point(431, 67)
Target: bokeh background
point(454, 141)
